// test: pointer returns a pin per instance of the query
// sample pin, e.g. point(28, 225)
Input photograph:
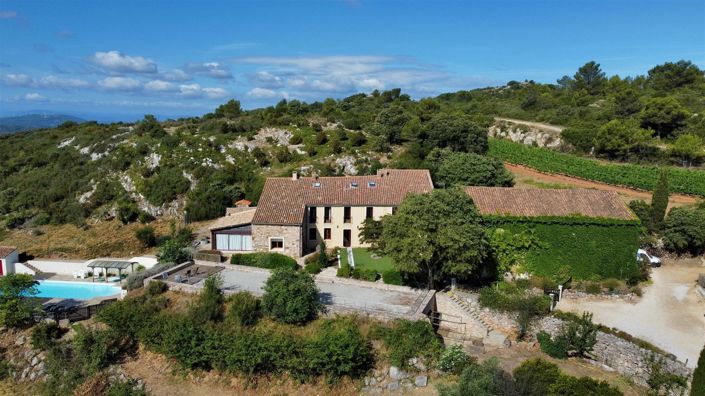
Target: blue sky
point(121, 59)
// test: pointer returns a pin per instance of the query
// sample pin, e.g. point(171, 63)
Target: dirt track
point(521, 173)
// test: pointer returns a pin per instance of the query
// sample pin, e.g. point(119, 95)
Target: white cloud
point(263, 93)
point(215, 93)
point(119, 84)
point(35, 97)
point(233, 46)
point(21, 80)
point(160, 86)
point(176, 75)
point(210, 69)
point(370, 84)
point(116, 61)
point(190, 90)
point(8, 14)
point(50, 82)
point(266, 79)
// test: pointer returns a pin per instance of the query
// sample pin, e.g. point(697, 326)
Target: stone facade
point(291, 235)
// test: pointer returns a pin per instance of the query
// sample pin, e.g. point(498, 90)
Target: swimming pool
point(75, 290)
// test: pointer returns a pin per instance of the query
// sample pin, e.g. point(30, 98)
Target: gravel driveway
point(670, 314)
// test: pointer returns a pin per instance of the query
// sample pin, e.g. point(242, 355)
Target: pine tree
point(697, 387)
point(659, 200)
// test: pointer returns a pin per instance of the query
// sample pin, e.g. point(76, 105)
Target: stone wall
point(619, 354)
point(292, 235)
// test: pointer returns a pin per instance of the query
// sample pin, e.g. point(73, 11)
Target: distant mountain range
point(26, 122)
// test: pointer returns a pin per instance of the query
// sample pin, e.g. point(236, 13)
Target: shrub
point(593, 288)
point(244, 309)
point(125, 388)
point(392, 277)
point(173, 251)
point(660, 380)
point(344, 271)
point(572, 386)
point(209, 306)
point(579, 336)
point(155, 288)
point(44, 335)
point(165, 186)
point(684, 230)
point(131, 315)
point(697, 387)
point(453, 360)
point(147, 236)
point(484, 379)
point(407, 339)
point(291, 297)
point(535, 376)
point(321, 137)
point(264, 260)
point(366, 274)
point(295, 139)
point(338, 349)
point(127, 212)
point(508, 297)
point(554, 348)
point(312, 268)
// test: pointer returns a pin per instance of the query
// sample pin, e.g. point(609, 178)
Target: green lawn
point(364, 259)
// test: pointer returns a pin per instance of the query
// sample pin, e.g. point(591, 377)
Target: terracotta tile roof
point(234, 217)
point(284, 199)
point(549, 202)
point(6, 250)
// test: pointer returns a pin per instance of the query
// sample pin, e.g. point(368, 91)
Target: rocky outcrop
point(525, 133)
point(395, 380)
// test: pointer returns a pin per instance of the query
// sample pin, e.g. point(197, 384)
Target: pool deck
point(69, 278)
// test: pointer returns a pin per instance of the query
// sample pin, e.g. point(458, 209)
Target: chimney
point(294, 176)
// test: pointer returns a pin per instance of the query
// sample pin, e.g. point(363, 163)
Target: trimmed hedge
point(592, 248)
point(264, 260)
point(687, 181)
point(366, 274)
point(392, 277)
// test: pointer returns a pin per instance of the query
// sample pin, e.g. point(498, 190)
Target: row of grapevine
point(686, 181)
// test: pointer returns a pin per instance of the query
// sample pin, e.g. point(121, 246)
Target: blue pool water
point(75, 290)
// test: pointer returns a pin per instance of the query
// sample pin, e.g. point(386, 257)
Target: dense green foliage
point(643, 177)
point(555, 348)
point(576, 337)
point(435, 236)
point(44, 334)
point(264, 260)
point(406, 339)
point(659, 201)
point(291, 297)
point(684, 230)
point(453, 360)
point(697, 387)
point(512, 297)
point(469, 169)
point(535, 376)
point(600, 248)
point(16, 302)
point(243, 309)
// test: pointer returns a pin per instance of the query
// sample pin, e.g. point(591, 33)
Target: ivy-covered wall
point(603, 248)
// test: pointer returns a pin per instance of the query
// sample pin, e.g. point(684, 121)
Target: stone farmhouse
point(295, 213)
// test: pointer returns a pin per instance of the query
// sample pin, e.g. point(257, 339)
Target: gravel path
point(669, 315)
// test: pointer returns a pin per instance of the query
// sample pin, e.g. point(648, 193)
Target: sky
point(118, 60)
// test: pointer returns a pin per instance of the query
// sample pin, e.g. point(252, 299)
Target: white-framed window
point(276, 243)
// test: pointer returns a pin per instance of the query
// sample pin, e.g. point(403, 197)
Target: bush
point(244, 309)
point(366, 274)
point(264, 260)
point(407, 339)
point(155, 288)
point(484, 379)
point(684, 230)
point(392, 277)
point(572, 386)
point(344, 271)
point(312, 268)
point(125, 388)
point(579, 336)
point(147, 236)
point(209, 306)
point(509, 297)
point(291, 297)
point(44, 334)
point(535, 376)
point(453, 360)
point(338, 349)
point(165, 186)
point(697, 387)
point(127, 212)
point(131, 315)
point(593, 288)
point(295, 139)
point(554, 348)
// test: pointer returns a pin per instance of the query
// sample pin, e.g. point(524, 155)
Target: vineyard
point(685, 181)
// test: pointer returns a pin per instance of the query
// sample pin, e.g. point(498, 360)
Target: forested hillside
point(195, 167)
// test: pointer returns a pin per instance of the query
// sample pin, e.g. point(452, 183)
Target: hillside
point(28, 122)
point(193, 168)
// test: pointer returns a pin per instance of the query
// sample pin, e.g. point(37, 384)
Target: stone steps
point(472, 310)
point(36, 270)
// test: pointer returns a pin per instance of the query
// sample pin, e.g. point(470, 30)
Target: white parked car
point(643, 256)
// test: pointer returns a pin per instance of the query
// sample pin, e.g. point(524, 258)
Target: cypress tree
point(697, 387)
point(659, 200)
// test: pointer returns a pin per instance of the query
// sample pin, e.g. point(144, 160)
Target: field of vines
point(686, 181)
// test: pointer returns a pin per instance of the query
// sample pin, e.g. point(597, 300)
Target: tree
point(688, 148)
point(436, 235)
point(244, 309)
point(684, 230)
point(127, 211)
point(371, 233)
point(581, 137)
point(456, 132)
point(291, 297)
point(590, 77)
point(627, 102)
point(535, 376)
point(16, 303)
point(209, 306)
point(579, 336)
point(231, 109)
point(697, 387)
point(484, 379)
point(389, 124)
point(470, 169)
point(664, 115)
point(661, 381)
point(151, 127)
point(659, 200)
point(622, 139)
point(670, 75)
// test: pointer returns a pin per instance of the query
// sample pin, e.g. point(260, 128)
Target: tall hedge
point(591, 247)
point(697, 387)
